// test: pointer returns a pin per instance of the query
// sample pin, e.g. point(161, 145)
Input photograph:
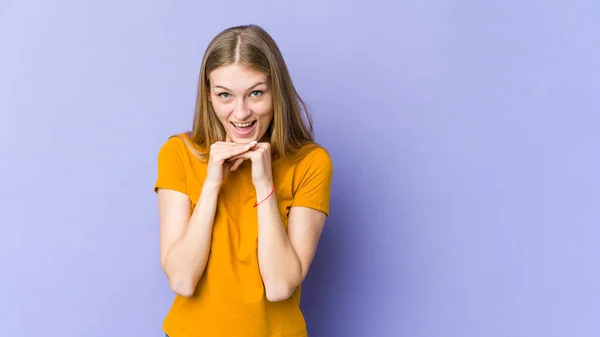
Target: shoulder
point(312, 177)
point(174, 143)
point(313, 160)
point(315, 154)
point(179, 144)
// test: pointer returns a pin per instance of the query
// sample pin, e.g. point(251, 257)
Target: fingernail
point(252, 143)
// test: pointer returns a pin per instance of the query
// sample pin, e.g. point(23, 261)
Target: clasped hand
point(226, 156)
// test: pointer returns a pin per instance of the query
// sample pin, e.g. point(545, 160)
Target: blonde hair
point(291, 127)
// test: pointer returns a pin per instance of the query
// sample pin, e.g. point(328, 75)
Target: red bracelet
point(267, 197)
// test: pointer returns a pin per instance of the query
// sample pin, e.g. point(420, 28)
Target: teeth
point(242, 125)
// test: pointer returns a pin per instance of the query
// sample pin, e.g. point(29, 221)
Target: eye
point(223, 95)
point(256, 93)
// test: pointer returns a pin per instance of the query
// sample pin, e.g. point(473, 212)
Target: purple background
point(465, 137)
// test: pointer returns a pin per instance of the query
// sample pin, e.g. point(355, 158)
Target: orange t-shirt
point(230, 300)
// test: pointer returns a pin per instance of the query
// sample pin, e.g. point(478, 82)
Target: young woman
point(242, 198)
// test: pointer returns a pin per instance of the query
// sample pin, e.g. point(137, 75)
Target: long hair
point(291, 127)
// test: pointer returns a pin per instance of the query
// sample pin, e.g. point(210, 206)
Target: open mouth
point(243, 126)
point(244, 130)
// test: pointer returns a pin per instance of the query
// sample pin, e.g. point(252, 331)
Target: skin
point(238, 94)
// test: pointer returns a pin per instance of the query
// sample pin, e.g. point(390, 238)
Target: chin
point(257, 134)
point(242, 140)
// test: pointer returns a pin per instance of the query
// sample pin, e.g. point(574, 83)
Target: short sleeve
point(171, 168)
point(313, 181)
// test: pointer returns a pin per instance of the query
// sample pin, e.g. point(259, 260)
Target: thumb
point(237, 164)
point(226, 169)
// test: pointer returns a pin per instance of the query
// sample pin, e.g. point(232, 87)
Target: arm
point(284, 258)
point(184, 240)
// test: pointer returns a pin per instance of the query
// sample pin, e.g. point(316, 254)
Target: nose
point(241, 110)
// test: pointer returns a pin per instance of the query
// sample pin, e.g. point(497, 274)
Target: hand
point(260, 155)
point(221, 154)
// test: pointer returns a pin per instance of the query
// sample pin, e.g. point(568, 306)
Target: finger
point(225, 152)
point(251, 155)
point(237, 164)
point(245, 155)
point(252, 148)
point(239, 150)
point(263, 147)
point(227, 169)
point(221, 145)
point(248, 154)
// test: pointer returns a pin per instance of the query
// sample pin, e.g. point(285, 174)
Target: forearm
point(279, 265)
point(186, 260)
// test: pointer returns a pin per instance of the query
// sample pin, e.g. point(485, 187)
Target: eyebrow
point(252, 87)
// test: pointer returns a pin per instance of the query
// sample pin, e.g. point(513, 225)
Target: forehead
point(236, 77)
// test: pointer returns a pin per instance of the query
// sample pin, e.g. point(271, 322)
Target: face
point(241, 98)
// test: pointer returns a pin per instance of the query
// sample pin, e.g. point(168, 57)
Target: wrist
point(211, 186)
point(264, 189)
